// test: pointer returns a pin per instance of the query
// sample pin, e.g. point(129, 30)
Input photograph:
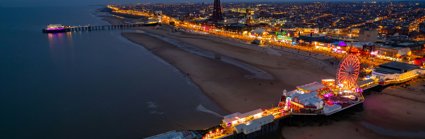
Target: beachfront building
point(239, 118)
point(248, 122)
point(306, 101)
point(254, 125)
point(313, 40)
point(324, 43)
point(396, 71)
point(305, 97)
point(419, 62)
point(392, 53)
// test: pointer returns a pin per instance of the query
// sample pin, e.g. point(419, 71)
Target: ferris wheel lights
point(348, 72)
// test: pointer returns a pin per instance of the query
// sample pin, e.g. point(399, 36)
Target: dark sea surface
point(87, 85)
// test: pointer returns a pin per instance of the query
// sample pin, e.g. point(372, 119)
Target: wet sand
point(398, 108)
point(336, 130)
point(224, 83)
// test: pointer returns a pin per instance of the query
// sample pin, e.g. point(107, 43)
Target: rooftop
point(318, 39)
point(387, 71)
point(395, 67)
point(399, 65)
point(236, 116)
point(311, 86)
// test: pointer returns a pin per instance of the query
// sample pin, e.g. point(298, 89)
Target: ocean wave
point(203, 109)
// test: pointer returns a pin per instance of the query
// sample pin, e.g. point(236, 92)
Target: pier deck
point(105, 27)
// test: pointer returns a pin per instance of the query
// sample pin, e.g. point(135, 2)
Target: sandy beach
point(225, 84)
point(398, 108)
point(392, 113)
point(287, 67)
point(336, 130)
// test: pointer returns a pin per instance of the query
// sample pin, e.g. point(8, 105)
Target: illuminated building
point(247, 122)
point(254, 125)
point(396, 71)
point(320, 42)
point(392, 53)
point(304, 100)
point(419, 61)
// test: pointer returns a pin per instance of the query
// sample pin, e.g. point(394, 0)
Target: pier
point(88, 28)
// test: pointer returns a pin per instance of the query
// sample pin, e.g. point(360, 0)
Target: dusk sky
point(7, 3)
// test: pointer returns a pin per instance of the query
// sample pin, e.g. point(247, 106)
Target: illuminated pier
point(326, 98)
point(98, 28)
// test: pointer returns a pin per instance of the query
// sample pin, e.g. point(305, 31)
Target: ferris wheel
point(348, 71)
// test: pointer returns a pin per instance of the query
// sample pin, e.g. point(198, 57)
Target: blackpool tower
point(217, 13)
